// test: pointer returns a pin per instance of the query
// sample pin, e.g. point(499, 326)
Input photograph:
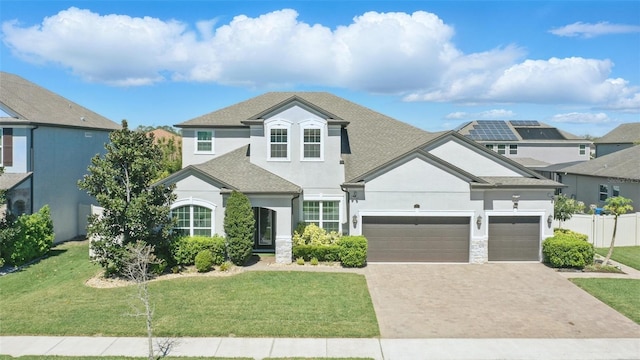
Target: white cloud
point(488, 114)
point(400, 53)
point(587, 30)
point(581, 118)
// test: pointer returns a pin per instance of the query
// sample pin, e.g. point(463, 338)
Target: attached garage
point(417, 238)
point(514, 238)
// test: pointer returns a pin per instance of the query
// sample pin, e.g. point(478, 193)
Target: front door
point(265, 235)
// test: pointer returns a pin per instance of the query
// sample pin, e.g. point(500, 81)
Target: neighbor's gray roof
point(511, 181)
point(9, 180)
point(624, 133)
point(235, 169)
point(374, 138)
point(623, 164)
point(33, 104)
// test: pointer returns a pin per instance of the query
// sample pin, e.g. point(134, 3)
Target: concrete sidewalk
point(379, 349)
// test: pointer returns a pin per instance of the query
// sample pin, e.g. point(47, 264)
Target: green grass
point(628, 255)
point(620, 294)
point(50, 298)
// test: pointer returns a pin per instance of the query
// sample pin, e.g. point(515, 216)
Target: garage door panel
point(514, 238)
point(417, 239)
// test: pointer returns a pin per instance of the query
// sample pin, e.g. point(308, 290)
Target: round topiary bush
point(204, 261)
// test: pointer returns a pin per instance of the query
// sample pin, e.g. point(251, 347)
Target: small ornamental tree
point(239, 226)
point(564, 208)
point(617, 205)
point(133, 210)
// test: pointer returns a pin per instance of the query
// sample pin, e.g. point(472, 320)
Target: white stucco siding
point(471, 160)
point(551, 153)
point(317, 175)
point(61, 158)
point(224, 141)
point(194, 188)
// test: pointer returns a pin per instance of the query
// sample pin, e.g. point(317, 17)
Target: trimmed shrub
point(300, 261)
point(31, 237)
point(225, 266)
point(186, 248)
point(567, 251)
point(566, 233)
point(204, 261)
point(320, 252)
point(239, 226)
point(314, 261)
point(353, 251)
point(314, 235)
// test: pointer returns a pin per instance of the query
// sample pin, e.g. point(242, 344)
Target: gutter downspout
point(33, 173)
point(348, 202)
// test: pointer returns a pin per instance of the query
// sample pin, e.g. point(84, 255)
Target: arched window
point(194, 218)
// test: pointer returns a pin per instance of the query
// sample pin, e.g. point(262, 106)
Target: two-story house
point(317, 158)
point(46, 145)
point(622, 137)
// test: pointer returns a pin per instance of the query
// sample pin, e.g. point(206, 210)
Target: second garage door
point(514, 238)
point(417, 238)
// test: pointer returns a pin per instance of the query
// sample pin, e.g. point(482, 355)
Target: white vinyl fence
point(599, 228)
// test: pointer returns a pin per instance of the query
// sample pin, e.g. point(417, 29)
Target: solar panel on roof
point(492, 130)
point(540, 134)
point(524, 123)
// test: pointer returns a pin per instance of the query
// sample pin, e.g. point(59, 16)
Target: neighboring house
point(46, 145)
point(615, 174)
point(317, 158)
point(531, 143)
point(622, 137)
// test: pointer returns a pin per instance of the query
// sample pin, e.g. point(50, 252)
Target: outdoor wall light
point(549, 221)
point(354, 220)
point(515, 198)
point(479, 221)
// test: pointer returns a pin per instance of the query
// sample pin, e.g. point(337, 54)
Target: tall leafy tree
point(239, 226)
point(133, 210)
point(617, 205)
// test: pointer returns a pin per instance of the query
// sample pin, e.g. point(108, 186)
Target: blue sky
point(433, 64)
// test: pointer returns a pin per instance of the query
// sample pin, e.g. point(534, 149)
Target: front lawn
point(620, 294)
point(51, 298)
point(628, 255)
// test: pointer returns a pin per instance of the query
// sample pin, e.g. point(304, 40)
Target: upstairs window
point(204, 141)
point(489, 146)
point(279, 144)
point(502, 149)
point(513, 149)
point(312, 144)
point(1, 147)
point(604, 192)
point(583, 149)
point(6, 147)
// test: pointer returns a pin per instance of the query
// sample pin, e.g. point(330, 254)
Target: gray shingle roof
point(33, 104)
point(624, 133)
point(374, 138)
point(235, 170)
point(9, 180)
point(510, 181)
point(624, 164)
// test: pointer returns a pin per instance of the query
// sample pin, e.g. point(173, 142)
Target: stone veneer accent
point(284, 250)
point(479, 251)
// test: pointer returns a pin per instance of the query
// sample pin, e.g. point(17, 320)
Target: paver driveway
point(500, 300)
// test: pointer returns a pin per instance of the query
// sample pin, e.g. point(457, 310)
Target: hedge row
point(30, 237)
point(351, 251)
point(568, 249)
point(185, 249)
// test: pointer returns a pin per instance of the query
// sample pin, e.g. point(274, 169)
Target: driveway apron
point(496, 300)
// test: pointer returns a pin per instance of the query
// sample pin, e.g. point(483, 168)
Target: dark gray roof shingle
point(235, 169)
point(33, 104)
point(624, 164)
point(624, 133)
point(374, 138)
point(9, 180)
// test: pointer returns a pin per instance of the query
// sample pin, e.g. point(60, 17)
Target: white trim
point(313, 124)
point(191, 202)
point(277, 124)
point(196, 141)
